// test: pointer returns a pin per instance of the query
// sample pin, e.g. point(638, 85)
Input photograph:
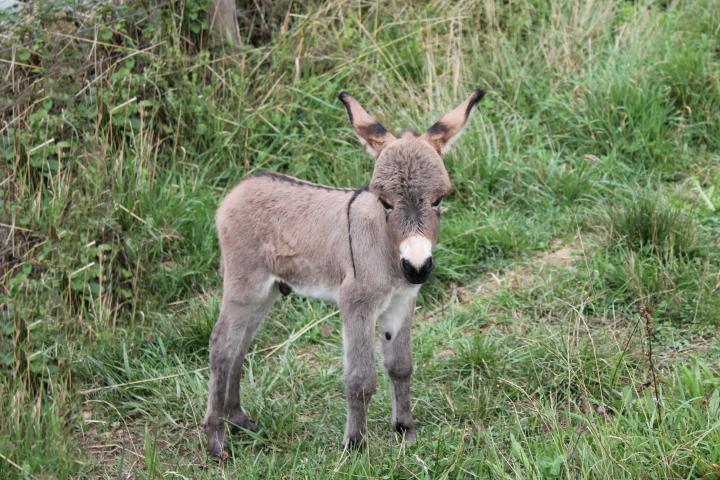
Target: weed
point(122, 127)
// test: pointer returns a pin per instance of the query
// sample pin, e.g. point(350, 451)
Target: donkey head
point(410, 179)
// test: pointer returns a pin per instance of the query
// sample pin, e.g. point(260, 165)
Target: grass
point(586, 191)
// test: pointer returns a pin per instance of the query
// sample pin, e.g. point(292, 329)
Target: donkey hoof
point(215, 433)
point(355, 442)
point(217, 451)
point(239, 421)
point(216, 448)
point(407, 431)
point(410, 437)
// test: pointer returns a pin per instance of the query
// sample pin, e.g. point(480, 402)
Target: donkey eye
point(436, 203)
point(386, 205)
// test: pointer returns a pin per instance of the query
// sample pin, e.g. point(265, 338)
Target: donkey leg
point(359, 366)
point(395, 326)
point(237, 321)
point(235, 415)
point(220, 362)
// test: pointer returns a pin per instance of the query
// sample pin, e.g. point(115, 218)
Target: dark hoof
point(221, 454)
point(355, 442)
point(216, 444)
point(240, 422)
point(407, 431)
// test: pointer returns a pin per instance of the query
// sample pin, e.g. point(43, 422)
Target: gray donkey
point(368, 250)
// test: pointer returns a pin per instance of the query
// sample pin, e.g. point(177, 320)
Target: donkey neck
point(349, 227)
point(370, 246)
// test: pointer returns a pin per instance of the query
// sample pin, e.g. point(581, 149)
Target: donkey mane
point(279, 177)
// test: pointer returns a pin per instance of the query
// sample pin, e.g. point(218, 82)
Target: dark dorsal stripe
point(356, 194)
point(278, 177)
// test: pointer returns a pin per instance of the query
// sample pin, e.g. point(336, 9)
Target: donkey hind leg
point(397, 360)
point(230, 339)
point(236, 417)
point(359, 366)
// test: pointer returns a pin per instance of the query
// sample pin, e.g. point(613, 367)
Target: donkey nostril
point(417, 275)
point(427, 266)
point(407, 267)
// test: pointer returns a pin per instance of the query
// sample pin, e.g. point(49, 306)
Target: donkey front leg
point(359, 366)
point(395, 325)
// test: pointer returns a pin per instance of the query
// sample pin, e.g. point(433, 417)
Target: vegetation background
point(570, 330)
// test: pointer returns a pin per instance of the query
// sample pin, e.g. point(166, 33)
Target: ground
point(569, 330)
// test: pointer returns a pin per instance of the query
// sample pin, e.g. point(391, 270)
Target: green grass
point(586, 190)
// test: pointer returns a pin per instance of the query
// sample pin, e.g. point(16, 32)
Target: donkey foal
point(368, 250)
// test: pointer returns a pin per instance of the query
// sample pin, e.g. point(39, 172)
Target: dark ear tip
point(477, 95)
point(343, 97)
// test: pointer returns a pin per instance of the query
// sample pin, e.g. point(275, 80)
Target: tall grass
point(123, 125)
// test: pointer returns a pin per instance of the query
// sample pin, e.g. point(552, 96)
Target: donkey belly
point(315, 276)
point(319, 292)
point(308, 273)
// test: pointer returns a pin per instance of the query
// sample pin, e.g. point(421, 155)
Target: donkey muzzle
point(417, 275)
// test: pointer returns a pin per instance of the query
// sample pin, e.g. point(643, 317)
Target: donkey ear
point(445, 131)
point(372, 135)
